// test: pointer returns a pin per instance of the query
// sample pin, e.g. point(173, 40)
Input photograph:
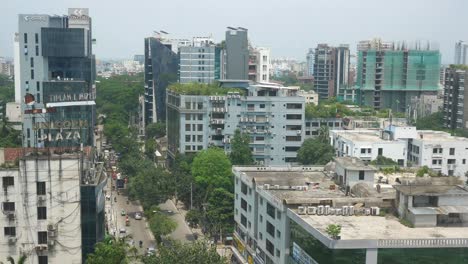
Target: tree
point(155, 130)
point(421, 171)
point(21, 260)
point(211, 169)
point(382, 160)
point(333, 230)
point(109, 251)
point(188, 253)
point(161, 225)
point(152, 185)
point(193, 218)
point(315, 152)
point(219, 213)
point(240, 149)
point(150, 149)
point(181, 172)
point(431, 122)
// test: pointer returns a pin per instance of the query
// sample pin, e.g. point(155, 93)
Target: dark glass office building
point(161, 69)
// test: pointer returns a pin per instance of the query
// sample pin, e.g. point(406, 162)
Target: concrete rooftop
point(378, 227)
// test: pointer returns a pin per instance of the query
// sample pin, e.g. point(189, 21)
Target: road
point(182, 232)
point(137, 230)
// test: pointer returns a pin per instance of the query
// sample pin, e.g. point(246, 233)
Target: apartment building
point(55, 78)
point(455, 106)
point(236, 54)
point(197, 62)
point(282, 214)
point(272, 115)
point(259, 64)
point(461, 53)
point(367, 145)
point(52, 204)
point(389, 74)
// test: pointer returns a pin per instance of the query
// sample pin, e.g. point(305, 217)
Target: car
point(122, 232)
point(150, 251)
point(123, 213)
point(137, 216)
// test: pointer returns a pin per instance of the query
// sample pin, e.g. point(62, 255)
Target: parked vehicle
point(138, 216)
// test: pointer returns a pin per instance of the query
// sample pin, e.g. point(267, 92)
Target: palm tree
point(21, 260)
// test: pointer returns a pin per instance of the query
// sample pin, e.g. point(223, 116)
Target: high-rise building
point(161, 67)
point(259, 64)
point(56, 74)
point(331, 70)
point(197, 62)
point(237, 54)
point(310, 62)
point(456, 99)
point(461, 53)
point(390, 74)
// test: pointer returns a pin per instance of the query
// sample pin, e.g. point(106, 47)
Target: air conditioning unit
point(301, 210)
point(332, 211)
point(327, 210)
point(351, 210)
point(51, 233)
point(276, 187)
point(311, 210)
point(298, 132)
point(320, 210)
point(367, 211)
point(51, 227)
point(12, 240)
point(375, 210)
point(266, 186)
point(41, 199)
point(41, 247)
point(11, 215)
point(345, 210)
point(338, 211)
point(51, 243)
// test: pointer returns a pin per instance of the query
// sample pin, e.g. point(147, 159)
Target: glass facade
point(63, 42)
point(422, 256)
point(306, 249)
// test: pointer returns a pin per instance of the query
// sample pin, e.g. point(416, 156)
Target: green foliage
point(188, 253)
point(155, 130)
point(240, 150)
point(333, 230)
point(181, 172)
point(201, 89)
point(152, 185)
point(193, 218)
point(382, 160)
point(7, 89)
point(9, 137)
point(421, 171)
point(431, 122)
point(219, 211)
point(211, 169)
point(388, 170)
point(109, 251)
point(315, 152)
point(287, 79)
point(307, 87)
point(406, 223)
point(161, 225)
point(459, 66)
point(150, 149)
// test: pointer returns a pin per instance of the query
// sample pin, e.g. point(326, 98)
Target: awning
point(76, 103)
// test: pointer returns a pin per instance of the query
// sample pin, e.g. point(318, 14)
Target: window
point(200, 138)
point(200, 116)
point(261, 218)
point(293, 106)
point(278, 214)
point(8, 181)
point(250, 107)
point(187, 138)
point(363, 151)
point(9, 231)
point(41, 188)
point(436, 162)
point(293, 138)
point(361, 175)
point(293, 117)
point(187, 147)
point(8, 206)
point(244, 204)
point(250, 208)
point(315, 124)
point(37, 50)
point(38, 97)
point(270, 247)
point(262, 105)
point(292, 149)
point(36, 38)
point(38, 86)
point(25, 38)
point(277, 253)
point(243, 220)
point(437, 150)
point(270, 229)
point(259, 138)
point(187, 105)
point(42, 237)
point(200, 127)
point(260, 235)
point(450, 161)
point(32, 61)
point(452, 151)
point(244, 188)
point(271, 210)
point(278, 233)
point(187, 127)
point(249, 225)
point(380, 152)
point(32, 74)
point(199, 106)
point(43, 260)
point(464, 161)
point(41, 213)
point(261, 201)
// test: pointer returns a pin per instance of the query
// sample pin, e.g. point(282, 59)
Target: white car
point(122, 232)
point(137, 216)
point(150, 251)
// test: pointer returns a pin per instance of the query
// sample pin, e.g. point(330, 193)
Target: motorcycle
point(141, 244)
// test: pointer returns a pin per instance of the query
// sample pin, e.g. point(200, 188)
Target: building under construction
point(389, 74)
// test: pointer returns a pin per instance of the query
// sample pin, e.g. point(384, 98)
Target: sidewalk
point(183, 211)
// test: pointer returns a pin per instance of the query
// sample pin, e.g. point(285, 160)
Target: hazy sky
point(289, 28)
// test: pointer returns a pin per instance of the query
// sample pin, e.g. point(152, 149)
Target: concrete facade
point(237, 54)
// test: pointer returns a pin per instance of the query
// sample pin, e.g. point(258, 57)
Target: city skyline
point(270, 24)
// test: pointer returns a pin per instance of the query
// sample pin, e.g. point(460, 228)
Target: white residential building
point(53, 207)
point(439, 151)
point(259, 64)
point(367, 145)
